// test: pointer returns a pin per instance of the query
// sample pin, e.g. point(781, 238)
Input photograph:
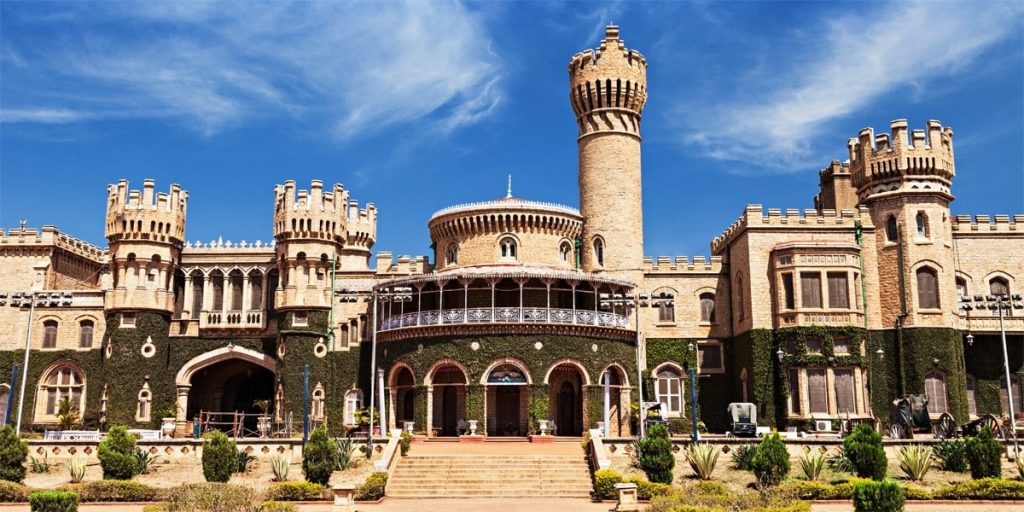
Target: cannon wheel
point(992, 423)
point(897, 431)
point(945, 428)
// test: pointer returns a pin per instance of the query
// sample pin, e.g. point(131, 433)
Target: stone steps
point(500, 476)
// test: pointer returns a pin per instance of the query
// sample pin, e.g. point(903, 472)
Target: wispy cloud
point(354, 67)
point(776, 118)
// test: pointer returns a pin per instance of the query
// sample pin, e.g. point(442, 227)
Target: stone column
point(180, 418)
point(186, 310)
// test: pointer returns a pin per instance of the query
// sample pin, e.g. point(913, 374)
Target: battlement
point(753, 217)
point(406, 265)
point(922, 161)
point(315, 214)
point(50, 236)
point(611, 78)
point(145, 215)
point(682, 265)
point(984, 224)
point(835, 168)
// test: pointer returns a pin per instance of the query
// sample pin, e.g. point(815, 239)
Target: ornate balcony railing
point(514, 315)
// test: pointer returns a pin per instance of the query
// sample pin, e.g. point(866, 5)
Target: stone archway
point(446, 381)
point(233, 377)
point(566, 382)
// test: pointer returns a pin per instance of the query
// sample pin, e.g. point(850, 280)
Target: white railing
point(231, 319)
point(525, 315)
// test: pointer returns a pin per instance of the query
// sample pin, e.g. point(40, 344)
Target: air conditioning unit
point(823, 425)
point(16, 302)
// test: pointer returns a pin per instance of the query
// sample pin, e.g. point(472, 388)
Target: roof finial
point(508, 195)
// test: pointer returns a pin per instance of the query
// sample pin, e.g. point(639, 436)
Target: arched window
point(707, 307)
point(1004, 397)
point(142, 411)
point(62, 381)
point(669, 390)
point(197, 294)
point(50, 334)
point(353, 401)
point(453, 254)
point(565, 251)
point(666, 309)
point(972, 401)
point(317, 405)
point(927, 288)
point(217, 282)
point(922, 225)
point(256, 289)
point(85, 333)
point(508, 248)
point(892, 232)
point(999, 286)
point(935, 388)
point(237, 281)
point(5, 398)
point(961, 287)
point(599, 251)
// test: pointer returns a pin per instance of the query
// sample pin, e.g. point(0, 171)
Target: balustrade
point(505, 315)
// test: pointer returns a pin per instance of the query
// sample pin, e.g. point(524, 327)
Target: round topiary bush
point(985, 455)
point(220, 458)
point(654, 454)
point(319, 457)
point(117, 455)
point(13, 452)
point(884, 496)
point(770, 462)
point(864, 449)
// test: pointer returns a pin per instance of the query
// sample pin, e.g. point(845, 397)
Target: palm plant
point(702, 458)
point(915, 461)
point(67, 415)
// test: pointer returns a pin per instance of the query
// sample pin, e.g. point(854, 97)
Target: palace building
point(530, 310)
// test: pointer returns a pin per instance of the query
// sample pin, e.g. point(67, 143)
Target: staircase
point(498, 475)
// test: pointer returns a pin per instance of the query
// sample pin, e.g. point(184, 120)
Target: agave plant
point(915, 461)
point(279, 462)
point(702, 458)
point(76, 467)
point(812, 464)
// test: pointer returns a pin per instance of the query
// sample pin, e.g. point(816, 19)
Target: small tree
point(117, 455)
point(13, 452)
point(864, 449)
point(67, 414)
point(654, 454)
point(220, 458)
point(985, 455)
point(319, 457)
point(770, 462)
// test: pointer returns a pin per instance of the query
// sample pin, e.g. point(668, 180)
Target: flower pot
point(408, 425)
point(472, 427)
point(542, 425)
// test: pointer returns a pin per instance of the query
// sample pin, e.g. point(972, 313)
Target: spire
point(508, 195)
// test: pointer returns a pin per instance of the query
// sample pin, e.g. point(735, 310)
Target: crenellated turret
point(608, 87)
point(146, 231)
point(921, 163)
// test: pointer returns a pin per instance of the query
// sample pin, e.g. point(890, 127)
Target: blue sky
point(417, 106)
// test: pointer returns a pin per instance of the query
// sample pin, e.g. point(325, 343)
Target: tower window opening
point(508, 248)
point(599, 251)
point(961, 287)
point(564, 251)
point(453, 254)
point(892, 233)
point(922, 225)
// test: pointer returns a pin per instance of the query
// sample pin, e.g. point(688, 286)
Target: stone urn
point(409, 425)
point(167, 426)
point(263, 425)
point(542, 425)
point(472, 427)
point(600, 426)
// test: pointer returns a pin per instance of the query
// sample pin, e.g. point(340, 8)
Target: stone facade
point(531, 310)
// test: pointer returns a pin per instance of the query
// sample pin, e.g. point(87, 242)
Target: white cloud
point(861, 58)
point(41, 115)
point(356, 66)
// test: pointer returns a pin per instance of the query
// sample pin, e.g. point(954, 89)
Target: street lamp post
point(998, 303)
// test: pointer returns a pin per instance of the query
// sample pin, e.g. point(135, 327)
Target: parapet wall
point(753, 217)
point(682, 265)
point(984, 224)
point(50, 236)
point(406, 265)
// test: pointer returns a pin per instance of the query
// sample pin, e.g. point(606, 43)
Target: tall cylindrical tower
point(608, 90)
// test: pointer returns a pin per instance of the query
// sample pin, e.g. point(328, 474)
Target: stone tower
point(905, 183)
point(608, 90)
point(145, 232)
point(310, 227)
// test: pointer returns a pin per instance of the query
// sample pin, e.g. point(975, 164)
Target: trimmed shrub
point(654, 455)
point(212, 496)
point(295, 491)
point(864, 449)
point(13, 452)
point(952, 455)
point(53, 501)
point(915, 461)
point(604, 484)
point(373, 488)
point(276, 506)
point(157, 507)
point(771, 461)
point(884, 496)
point(13, 492)
point(406, 442)
point(916, 493)
point(982, 489)
point(220, 457)
point(743, 456)
point(115, 490)
point(117, 455)
point(985, 455)
point(715, 497)
point(319, 457)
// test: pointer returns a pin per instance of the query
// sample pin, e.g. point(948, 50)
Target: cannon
point(909, 416)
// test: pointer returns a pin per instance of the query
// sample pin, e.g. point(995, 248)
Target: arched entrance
point(565, 387)
point(507, 397)
point(227, 380)
point(403, 386)
point(447, 386)
point(617, 398)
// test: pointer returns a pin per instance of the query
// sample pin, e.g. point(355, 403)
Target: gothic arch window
point(237, 282)
point(935, 388)
point(668, 387)
point(217, 282)
point(599, 251)
point(317, 406)
point(197, 293)
point(50, 334)
point(922, 225)
point(256, 291)
point(453, 254)
point(353, 401)
point(999, 286)
point(961, 287)
point(64, 380)
point(892, 232)
point(85, 330)
point(707, 307)
point(972, 400)
point(927, 288)
point(565, 252)
point(145, 404)
point(509, 248)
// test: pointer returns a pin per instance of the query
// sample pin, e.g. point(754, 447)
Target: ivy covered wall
point(984, 361)
point(714, 391)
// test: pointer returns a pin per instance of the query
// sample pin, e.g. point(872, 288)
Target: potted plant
point(263, 420)
point(363, 420)
point(67, 414)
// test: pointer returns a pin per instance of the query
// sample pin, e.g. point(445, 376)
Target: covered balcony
point(503, 299)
